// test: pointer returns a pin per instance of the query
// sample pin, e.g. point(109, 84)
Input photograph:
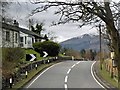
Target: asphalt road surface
point(67, 74)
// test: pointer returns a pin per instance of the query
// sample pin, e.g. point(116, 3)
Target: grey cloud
point(63, 32)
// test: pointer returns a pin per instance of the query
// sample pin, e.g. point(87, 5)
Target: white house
point(14, 36)
point(10, 35)
point(27, 38)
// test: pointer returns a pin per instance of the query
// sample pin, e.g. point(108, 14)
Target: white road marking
point(42, 73)
point(68, 71)
point(66, 78)
point(94, 76)
point(78, 62)
point(65, 85)
point(73, 66)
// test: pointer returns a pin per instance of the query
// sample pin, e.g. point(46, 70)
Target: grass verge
point(31, 51)
point(106, 76)
point(31, 75)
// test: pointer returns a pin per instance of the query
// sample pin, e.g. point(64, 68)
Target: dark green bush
point(50, 47)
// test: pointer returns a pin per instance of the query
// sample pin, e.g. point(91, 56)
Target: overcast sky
point(63, 32)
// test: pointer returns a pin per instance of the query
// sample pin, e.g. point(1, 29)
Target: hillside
point(85, 41)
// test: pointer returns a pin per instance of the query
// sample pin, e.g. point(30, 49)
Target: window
point(32, 40)
point(21, 39)
point(7, 36)
point(16, 37)
point(21, 42)
point(25, 40)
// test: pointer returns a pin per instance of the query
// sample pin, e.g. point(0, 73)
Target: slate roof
point(16, 28)
point(29, 32)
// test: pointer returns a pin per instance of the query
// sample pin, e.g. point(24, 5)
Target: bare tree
point(51, 35)
point(4, 14)
point(87, 13)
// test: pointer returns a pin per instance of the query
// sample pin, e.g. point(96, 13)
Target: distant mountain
point(85, 41)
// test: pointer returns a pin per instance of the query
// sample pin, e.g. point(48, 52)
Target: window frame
point(7, 36)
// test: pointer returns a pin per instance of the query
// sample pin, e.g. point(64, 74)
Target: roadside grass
point(106, 76)
point(13, 66)
point(30, 51)
point(61, 55)
point(31, 75)
point(9, 67)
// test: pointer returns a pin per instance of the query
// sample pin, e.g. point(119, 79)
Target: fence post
point(10, 82)
point(36, 66)
point(26, 73)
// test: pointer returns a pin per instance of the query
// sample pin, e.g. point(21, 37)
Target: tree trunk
point(115, 38)
point(117, 58)
point(115, 44)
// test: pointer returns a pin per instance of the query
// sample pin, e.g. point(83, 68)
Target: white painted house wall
point(13, 38)
point(12, 34)
point(27, 41)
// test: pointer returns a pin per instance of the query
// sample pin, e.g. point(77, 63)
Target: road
point(67, 74)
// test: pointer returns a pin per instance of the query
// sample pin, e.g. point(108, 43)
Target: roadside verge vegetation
point(10, 60)
point(105, 73)
point(13, 58)
point(52, 48)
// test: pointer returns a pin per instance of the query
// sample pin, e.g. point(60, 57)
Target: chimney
point(16, 23)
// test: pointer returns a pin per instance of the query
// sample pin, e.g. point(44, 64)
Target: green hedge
point(50, 47)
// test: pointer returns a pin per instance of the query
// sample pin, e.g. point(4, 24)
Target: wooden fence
point(20, 74)
point(109, 67)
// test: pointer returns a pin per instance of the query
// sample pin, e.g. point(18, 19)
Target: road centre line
point(94, 76)
point(78, 62)
point(65, 85)
point(66, 78)
point(68, 71)
point(73, 66)
point(42, 74)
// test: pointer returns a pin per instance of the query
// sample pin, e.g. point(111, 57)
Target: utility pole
point(100, 57)
point(29, 24)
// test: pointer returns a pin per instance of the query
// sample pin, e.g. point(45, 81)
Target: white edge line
point(94, 76)
point(42, 73)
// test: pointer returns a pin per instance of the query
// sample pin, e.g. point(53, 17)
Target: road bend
point(67, 74)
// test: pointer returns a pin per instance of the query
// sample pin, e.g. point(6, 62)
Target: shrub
point(10, 59)
point(11, 54)
point(50, 47)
